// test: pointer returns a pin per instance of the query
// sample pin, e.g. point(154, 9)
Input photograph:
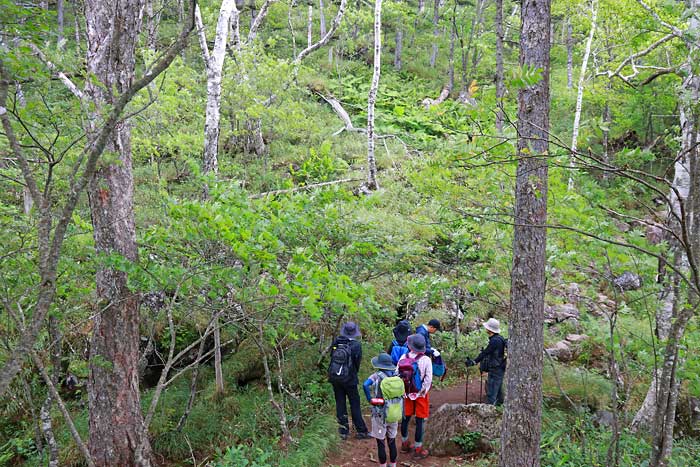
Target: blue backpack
point(397, 351)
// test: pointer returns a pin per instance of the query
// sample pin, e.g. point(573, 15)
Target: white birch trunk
point(60, 9)
point(510, 20)
point(310, 27)
point(436, 33)
point(214, 65)
point(322, 18)
point(372, 183)
point(569, 55)
point(579, 94)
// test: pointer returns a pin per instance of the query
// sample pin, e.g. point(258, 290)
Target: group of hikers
point(400, 388)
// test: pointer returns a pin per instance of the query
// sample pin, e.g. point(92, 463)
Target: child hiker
point(416, 370)
point(384, 390)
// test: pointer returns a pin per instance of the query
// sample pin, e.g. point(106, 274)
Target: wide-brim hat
point(416, 343)
point(383, 361)
point(402, 330)
point(350, 330)
point(493, 325)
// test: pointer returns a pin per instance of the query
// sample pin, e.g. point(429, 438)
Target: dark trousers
point(341, 391)
point(381, 450)
point(494, 387)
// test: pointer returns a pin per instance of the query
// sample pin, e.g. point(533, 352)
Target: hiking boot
point(364, 435)
point(420, 453)
point(406, 446)
point(344, 436)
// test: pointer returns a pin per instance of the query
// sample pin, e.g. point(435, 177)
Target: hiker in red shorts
point(416, 369)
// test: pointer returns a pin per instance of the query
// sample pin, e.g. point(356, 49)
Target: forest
point(205, 205)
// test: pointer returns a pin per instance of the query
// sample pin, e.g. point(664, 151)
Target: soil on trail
point(354, 452)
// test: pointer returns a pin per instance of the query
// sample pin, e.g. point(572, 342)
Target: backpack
point(391, 389)
point(408, 372)
point(439, 367)
point(488, 363)
point(340, 367)
point(398, 350)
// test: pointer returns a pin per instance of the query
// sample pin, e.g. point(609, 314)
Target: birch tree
point(214, 64)
point(372, 183)
point(522, 418)
point(581, 83)
point(436, 33)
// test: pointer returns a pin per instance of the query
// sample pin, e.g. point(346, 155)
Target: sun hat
point(350, 330)
point(383, 362)
point(402, 330)
point(493, 325)
point(416, 343)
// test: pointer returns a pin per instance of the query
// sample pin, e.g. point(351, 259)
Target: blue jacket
point(423, 331)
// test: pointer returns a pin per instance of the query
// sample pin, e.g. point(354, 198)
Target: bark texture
point(372, 98)
point(436, 33)
point(116, 422)
point(520, 438)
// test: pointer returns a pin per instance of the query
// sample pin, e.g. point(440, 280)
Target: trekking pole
point(466, 389)
point(481, 386)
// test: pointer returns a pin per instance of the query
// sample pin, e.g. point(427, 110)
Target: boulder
point(688, 416)
point(654, 233)
point(454, 420)
point(575, 338)
point(561, 313)
point(628, 281)
point(561, 351)
point(603, 419)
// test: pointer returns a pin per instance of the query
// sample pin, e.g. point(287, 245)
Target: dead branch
point(324, 40)
point(444, 94)
point(303, 188)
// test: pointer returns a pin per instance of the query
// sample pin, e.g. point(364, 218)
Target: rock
point(573, 292)
point(561, 351)
point(574, 338)
point(654, 234)
point(453, 420)
point(622, 226)
point(561, 313)
point(628, 281)
point(688, 416)
point(603, 418)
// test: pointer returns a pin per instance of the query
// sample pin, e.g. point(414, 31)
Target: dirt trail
point(362, 453)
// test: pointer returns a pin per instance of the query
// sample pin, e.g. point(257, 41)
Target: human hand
point(469, 362)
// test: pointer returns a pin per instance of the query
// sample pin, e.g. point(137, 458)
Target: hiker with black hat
point(346, 356)
point(384, 391)
point(492, 360)
point(426, 330)
point(398, 345)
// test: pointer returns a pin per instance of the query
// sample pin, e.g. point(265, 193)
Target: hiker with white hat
point(492, 360)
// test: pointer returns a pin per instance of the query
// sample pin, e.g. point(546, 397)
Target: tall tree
point(372, 183)
point(116, 422)
point(581, 83)
point(522, 418)
point(500, 86)
point(436, 33)
point(214, 63)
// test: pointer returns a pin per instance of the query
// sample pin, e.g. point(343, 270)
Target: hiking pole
point(466, 389)
point(481, 386)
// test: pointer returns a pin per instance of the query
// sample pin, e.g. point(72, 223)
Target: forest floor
point(360, 453)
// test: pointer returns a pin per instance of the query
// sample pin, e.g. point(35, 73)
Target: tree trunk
point(219, 376)
point(60, 19)
point(290, 23)
point(569, 55)
point(510, 20)
point(399, 47)
point(116, 422)
point(322, 18)
point(579, 94)
point(372, 183)
point(152, 23)
point(522, 418)
point(310, 27)
point(214, 65)
point(436, 33)
point(451, 57)
point(500, 87)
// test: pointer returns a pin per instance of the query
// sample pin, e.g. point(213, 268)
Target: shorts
point(419, 407)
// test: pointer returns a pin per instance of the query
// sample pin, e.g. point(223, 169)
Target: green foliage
point(467, 440)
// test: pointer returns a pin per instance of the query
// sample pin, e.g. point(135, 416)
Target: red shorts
point(419, 407)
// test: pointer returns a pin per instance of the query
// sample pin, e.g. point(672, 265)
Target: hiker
point(416, 369)
point(426, 330)
point(492, 360)
point(384, 390)
point(398, 345)
point(346, 356)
